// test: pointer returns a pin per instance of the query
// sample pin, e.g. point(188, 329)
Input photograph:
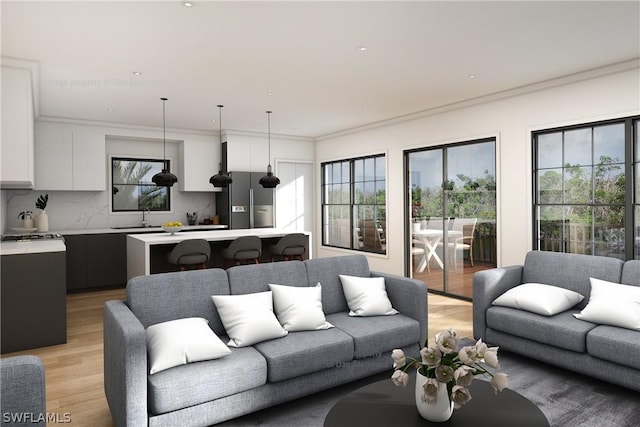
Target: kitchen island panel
point(33, 300)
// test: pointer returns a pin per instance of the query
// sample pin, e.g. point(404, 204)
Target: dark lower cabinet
point(33, 301)
point(96, 261)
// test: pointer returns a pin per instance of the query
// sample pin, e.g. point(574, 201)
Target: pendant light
point(269, 180)
point(164, 178)
point(222, 178)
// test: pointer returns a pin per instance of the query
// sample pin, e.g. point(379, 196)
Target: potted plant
point(42, 220)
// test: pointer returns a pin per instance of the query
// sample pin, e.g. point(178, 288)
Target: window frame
point(628, 167)
point(354, 203)
point(164, 163)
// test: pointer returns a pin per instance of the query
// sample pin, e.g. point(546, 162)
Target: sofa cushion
point(631, 273)
point(376, 334)
point(299, 308)
point(571, 271)
point(612, 304)
point(562, 330)
point(169, 296)
point(326, 271)
point(182, 341)
point(246, 279)
point(304, 352)
point(614, 344)
point(249, 318)
point(195, 383)
point(366, 296)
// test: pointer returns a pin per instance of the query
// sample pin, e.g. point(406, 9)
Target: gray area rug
point(566, 399)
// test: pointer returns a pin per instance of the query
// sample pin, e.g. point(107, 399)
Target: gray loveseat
point(606, 352)
point(255, 377)
point(22, 391)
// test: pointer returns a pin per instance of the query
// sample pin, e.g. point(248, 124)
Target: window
point(583, 183)
point(132, 188)
point(354, 204)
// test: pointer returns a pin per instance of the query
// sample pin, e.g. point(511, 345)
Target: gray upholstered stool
point(190, 252)
point(289, 247)
point(243, 248)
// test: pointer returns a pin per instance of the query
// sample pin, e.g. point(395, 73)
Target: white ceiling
point(420, 55)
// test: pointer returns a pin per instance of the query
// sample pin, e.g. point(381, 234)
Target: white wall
point(511, 120)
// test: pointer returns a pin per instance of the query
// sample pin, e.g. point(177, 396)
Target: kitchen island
point(33, 294)
point(146, 253)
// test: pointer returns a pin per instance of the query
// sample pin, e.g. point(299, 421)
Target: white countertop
point(32, 247)
point(211, 235)
point(128, 230)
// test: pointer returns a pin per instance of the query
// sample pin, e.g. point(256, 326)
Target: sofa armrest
point(23, 395)
point(125, 365)
point(409, 297)
point(487, 286)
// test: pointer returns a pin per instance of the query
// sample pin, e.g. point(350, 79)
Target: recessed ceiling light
point(269, 93)
point(137, 73)
point(472, 76)
point(187, 3)
point(110, 109)
point(362, 48)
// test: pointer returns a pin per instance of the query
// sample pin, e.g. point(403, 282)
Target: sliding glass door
point(451, 214)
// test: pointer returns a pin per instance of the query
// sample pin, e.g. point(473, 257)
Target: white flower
point(430, 388)
point(431, 356)
point(499, 381)
point(460, 396)
point(447, 341)
point(399, 359)
point(491, 357)
point(464, 376)
point(400, 378)
point(468, 355)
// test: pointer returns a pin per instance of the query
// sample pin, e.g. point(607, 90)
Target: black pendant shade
point(164, 178)
point(222, 178)
point(269, 180)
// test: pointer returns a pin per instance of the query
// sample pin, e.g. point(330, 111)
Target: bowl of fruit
point(172, 227)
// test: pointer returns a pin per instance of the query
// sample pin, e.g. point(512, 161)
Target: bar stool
point(194, 252)
point(289, 247)
point(243, 248)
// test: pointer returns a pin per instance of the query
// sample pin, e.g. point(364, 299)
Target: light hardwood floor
point(74, 371)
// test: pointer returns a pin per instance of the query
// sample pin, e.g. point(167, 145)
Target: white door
point(294, 196)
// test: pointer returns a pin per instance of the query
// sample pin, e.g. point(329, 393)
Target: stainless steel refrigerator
point(245, 203)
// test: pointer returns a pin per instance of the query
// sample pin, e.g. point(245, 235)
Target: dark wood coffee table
point(383, 404)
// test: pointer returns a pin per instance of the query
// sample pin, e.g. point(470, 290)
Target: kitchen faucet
point(144, 221)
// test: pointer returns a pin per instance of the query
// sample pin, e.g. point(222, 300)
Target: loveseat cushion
point(570, 271)
point(614, 344)
point(195, 383)
point(326, 270)
point(377, 334)
point(304, 352)
point(562, 330)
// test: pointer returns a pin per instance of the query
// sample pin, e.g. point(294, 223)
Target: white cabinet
point(17, 129)
point(69, 159)
point(198, 161)
point(247, 153)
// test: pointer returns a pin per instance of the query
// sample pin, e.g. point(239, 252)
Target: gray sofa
point(22, 396)
point(609, 353)
point(262, 375)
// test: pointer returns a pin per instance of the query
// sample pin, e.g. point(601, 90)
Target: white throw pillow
point(182, 341)
point(249, 318)
point(366, 296)
point(299, 308)
point(612, 304)
point(538, 298)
